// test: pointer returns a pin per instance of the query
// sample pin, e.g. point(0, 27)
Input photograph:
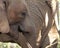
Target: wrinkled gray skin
point(30, 15)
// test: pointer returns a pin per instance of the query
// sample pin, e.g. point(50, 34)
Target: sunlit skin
point(4, 25)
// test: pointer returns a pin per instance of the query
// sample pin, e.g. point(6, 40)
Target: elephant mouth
point(22, 31)
point(0, 33)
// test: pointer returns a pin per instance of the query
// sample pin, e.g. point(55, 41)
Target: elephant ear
point(4, 25)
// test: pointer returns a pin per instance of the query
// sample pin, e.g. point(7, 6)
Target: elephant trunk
point(4, 25)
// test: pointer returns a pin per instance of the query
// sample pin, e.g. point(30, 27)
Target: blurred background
point(59, 24)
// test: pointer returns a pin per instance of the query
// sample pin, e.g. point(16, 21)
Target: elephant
point(34, 21)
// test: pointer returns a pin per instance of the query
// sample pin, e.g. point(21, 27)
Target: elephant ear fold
point(4, 25)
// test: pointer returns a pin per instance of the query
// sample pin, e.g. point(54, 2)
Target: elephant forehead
point(17, 5)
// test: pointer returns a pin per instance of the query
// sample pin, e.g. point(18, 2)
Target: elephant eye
point(23, 13)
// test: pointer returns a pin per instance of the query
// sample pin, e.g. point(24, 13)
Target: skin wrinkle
point(33, 22)
point(30, 22)
point(34, 11)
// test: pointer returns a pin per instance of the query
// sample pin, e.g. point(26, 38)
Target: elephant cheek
point(4, 26)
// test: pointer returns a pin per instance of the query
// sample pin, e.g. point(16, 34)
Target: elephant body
point(29, 17)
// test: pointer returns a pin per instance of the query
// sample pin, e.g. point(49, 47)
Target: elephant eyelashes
point(23, 13)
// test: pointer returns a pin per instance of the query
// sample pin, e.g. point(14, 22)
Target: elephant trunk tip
point(4, 28)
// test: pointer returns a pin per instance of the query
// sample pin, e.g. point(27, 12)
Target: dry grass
point(9, 45)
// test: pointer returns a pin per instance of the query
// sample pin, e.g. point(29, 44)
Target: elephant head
point(18, 13)
point(29, 22)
